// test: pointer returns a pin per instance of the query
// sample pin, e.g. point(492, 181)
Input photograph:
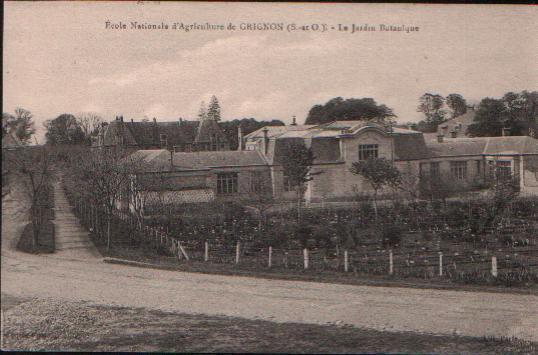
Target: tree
point(202, 113)
point(89, 123)
point(457, 104)
point(20, 124)
point(489, 118)
point(378, 172)
point(349, 109)
point(64, 129)
point(516, 111)
point(248, 125)
point(213, 111)
point(296, 168)
point(32, 168)
point(431, 105)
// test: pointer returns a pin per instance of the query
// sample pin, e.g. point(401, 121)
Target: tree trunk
point(108, 232)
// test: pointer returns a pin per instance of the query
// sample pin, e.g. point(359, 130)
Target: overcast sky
point(60, 58)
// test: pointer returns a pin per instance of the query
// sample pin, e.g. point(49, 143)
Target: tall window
point(368, 151)
point(288, 185)
point(164, 140)
point(256, 182)
point(435, 170)
point(503, 169)
point(458, 169)
point(478, 167)
point(227, 183)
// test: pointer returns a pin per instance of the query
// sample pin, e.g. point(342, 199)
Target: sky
point(59, 57)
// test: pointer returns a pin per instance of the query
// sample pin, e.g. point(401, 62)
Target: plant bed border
point(341, 279)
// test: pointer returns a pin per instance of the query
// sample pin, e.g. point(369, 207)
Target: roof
point(511, 145)
point(458, 124)
point(159, 159)
point(148, 133)
point(410, 146)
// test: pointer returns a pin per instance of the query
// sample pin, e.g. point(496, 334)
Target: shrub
point(391, 235)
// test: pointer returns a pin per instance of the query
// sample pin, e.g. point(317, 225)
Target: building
point(256, 168)
point(178, 136)
point(457, 127)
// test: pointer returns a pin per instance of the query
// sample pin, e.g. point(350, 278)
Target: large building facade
point(256, 168)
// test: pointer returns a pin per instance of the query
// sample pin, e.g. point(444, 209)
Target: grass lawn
point(57, 325)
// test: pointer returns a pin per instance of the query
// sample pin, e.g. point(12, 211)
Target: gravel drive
point(63, 277)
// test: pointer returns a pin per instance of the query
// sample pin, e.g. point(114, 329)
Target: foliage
point(298, 162)
point(64, 129)
point(213, 110)
point(431, 105)
point(20, 124)
point(349, 109)
point(379, 172)
point(457, 104)
point(516, 111)
point(248, 125)
point(202, 112)
point(391, 235)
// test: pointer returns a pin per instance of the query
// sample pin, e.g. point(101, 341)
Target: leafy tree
point(20, 124)
point(64, 129)
point(296, 168)
point(248, 125)
point(489, 119)
point(349, 109)
point(213, 111)
point(378, 172)
point(431, 105)
point(457, 104)
point(516, 111)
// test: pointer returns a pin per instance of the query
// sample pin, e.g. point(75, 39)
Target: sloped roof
point(409, 146)
point(206, 129)
point(159, 159)
point(217, 159)
point(146, 133)
point(511, 145)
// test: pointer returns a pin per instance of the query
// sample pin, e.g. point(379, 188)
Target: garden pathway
point(72, 239)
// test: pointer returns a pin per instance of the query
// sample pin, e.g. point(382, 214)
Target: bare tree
point(33, 169)
point(89, 122)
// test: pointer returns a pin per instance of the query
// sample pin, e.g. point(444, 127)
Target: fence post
point(494, 266)
point(269, 263)
point(237, 247)
point(206, 251)
point(440, 264)
point(305, 254)
point(391, 263)
point(183, 251)
point(345, 261)
point(178, 251)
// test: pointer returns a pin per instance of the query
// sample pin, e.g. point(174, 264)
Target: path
point(72, 240)
point(384, 308)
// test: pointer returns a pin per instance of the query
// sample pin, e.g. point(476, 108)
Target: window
point(288, 185)
point(227, 183)
point(256, 182)
point(478, 167)
point(368, 151)
point(434, 170)
point(503, 169)
point(458, 169)
point(422, 169)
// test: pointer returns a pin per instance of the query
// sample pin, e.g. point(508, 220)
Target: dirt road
point(66, 277)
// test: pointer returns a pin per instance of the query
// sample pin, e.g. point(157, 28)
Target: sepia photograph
point(256, 177)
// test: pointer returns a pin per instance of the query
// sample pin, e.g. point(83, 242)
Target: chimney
point(180, 121)
point(154, 120)
point(293, 123)
point(240, 138)
point(440, 138)
point(132, 120)
point(121, 118)
point(506, 132)
point(453, 134)
point(265, 140)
